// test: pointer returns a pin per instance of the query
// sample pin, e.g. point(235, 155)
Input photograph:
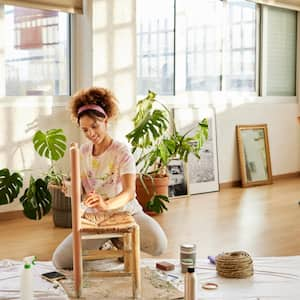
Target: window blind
point(280, 51)
point(288, 4)
point(70, 6)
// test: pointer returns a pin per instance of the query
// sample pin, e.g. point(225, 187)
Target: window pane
point(240, 46)
point(203, 47)
point(280, 56)
point(155, 46)
point(36, 52)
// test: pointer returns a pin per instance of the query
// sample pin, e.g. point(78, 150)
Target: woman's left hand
point(95, 200)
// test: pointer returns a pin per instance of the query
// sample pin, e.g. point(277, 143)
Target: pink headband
point(91, 107)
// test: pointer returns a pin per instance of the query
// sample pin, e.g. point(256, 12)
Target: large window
point(36, 52)
point(202, 30)
point(216, 47)
point(240, 46)
point(155, 44)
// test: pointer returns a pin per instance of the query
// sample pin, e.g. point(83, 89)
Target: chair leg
point(127, 251)
point(136, 272)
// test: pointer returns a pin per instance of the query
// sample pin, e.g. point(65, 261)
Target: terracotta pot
point(159, 184)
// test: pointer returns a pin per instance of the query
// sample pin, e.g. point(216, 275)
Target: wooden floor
point(265, 221)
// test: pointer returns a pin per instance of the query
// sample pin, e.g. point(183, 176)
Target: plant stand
point(61, 207)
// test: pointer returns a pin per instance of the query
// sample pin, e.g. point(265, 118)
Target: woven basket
point(236, 264)
point(61, 207)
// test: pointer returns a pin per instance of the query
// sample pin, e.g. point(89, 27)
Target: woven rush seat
point(118, 222)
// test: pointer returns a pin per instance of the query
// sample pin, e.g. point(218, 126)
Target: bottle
point(187, 286)
point(27, 278)
point(190, 285)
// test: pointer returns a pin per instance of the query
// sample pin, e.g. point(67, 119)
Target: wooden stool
point(116, 225)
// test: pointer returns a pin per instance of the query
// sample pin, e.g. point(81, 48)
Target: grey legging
point(153, 242)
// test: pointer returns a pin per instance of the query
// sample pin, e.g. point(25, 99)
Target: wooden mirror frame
point(241, 152)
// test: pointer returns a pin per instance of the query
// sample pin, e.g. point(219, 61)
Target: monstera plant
point(52, 145)
point(10, 185)
point(36, 199)
point(155, 141)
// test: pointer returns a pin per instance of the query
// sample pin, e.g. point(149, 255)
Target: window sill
point(194, 99)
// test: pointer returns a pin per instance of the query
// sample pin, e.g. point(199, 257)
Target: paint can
point(187, 256)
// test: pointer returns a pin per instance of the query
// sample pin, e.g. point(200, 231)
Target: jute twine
point(236, 264)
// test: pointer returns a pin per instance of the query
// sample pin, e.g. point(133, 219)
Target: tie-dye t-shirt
point(103, 173)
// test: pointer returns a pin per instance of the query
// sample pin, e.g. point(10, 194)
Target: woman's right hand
point(95, 200)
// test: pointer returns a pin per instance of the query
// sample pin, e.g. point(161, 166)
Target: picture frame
point(203, 174)
point(178, 178)
point(254, 154)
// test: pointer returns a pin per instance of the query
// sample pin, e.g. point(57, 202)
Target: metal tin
point(187, 256)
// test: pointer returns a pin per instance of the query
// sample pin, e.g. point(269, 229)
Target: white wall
point(20, 119)
point(283, 130)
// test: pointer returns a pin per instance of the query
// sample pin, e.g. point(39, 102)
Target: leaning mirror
point(254, 154)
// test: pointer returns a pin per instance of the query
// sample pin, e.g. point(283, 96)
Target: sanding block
point(165, 266)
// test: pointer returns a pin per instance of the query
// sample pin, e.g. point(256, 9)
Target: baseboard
point(11, 215)
point(230, 184)
point(237, 183)
point(286, 176)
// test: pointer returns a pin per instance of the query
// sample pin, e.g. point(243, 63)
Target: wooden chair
point(119, 225)
point(116, 225)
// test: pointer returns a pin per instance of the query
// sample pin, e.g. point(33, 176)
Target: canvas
point(203, 174)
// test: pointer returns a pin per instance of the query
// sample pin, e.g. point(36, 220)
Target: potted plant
point(155, 140)
point(37, 197)
point(52, 145)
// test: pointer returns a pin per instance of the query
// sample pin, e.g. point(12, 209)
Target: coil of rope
point(237, 264)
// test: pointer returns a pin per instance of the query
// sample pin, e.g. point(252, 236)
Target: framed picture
point(203, 175)
point(178, 183)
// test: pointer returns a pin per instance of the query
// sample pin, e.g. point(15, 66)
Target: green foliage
point(157, 204)
point(54, 177)
point(36, 200)
point(10, 185)
point(157, 140)
point(50, 144)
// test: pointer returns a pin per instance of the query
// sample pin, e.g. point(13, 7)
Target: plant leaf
point(156, 203)
point(36, 199)
point(10, 185)
point(51, 144)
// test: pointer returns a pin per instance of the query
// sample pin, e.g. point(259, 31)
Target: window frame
point(41, 100)
point(217, 97)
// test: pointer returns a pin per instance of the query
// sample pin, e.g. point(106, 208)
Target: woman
point(107, 174)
